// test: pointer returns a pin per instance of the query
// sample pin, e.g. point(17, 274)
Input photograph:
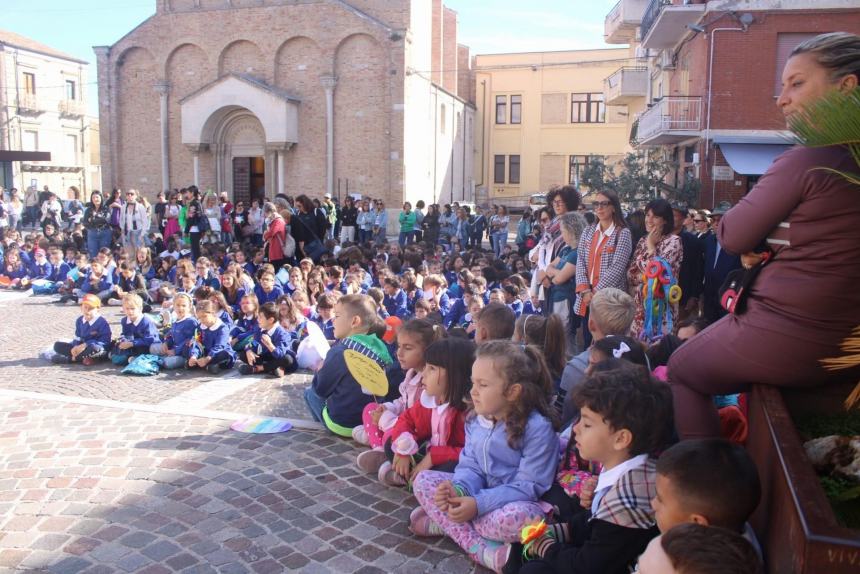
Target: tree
point(638, 178)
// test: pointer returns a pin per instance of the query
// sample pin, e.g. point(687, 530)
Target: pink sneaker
point(389, 477)
point(359, 435)
point(422, 525)
point(370, 461)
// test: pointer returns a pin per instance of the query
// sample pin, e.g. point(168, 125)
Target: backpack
point(288, 246)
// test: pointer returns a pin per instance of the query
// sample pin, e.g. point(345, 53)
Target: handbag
point(735, 289)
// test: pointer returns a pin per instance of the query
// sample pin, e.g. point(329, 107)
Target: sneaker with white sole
point(389, 477)
point(359, 435)
point(371, 460)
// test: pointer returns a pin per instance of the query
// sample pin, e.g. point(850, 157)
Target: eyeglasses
point(558, 202)
point(698, 221)
point(599, 204)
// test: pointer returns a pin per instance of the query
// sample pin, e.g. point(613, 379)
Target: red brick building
point(714, 76)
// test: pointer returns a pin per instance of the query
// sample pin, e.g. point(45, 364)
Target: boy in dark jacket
point(335, 398)
point(271, 352)
point(92, 336)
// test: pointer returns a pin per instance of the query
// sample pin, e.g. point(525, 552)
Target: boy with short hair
point(395, 301)
point(495, 321)
point(138, 331)
point(271, 351)
point(695, 549)
point(325, 313)
point(610, 314)
point(267, 290)
point(335, 398)
point(627, 417)
point(92, 336)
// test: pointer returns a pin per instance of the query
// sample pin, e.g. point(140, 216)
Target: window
point(30, 140)
point(516, 109)
point(499, 170)
point(29, 83)
point(785, 43)
point(442, 121)
point(577, 164)
point(513, 168)
point(587, 108)
point(70, 90)
point(501, 109)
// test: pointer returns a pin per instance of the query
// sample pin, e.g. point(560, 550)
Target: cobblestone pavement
point(94, 481)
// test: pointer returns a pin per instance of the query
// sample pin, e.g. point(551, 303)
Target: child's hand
point(444, 492)
point(78, 349)
point(126, 345)
point(376, 414)
point(425, 464)
point(192, 362)
point(586, 495)
point(251, 357)
point(266, 340)
point(204, 361)
point(402, 465)
point(462, 508)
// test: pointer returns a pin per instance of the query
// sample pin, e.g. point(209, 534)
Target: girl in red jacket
point(431, 433)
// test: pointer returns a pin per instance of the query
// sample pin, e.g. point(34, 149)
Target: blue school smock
point(144, 333)
point(181, 336)
point(96, 333)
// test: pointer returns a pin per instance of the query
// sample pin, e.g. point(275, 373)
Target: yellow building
point(541, 115)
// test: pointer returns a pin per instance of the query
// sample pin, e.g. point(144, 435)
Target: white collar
point(216, 325)
point(91, 323)
point(249, 317)
point(485, 422)
point(139, 319)
point(429, 402)
point(271, 331)
point(609, 477)
point(609, 230)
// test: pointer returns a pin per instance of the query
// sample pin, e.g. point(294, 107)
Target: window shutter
point(785, 43)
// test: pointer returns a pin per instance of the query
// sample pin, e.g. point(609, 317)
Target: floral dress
point(671, 250)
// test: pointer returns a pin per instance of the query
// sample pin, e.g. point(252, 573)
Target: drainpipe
point(5, 142)
point(163, 89)
point(329, 83)
point(712, 34)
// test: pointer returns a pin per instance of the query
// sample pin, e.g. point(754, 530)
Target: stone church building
point(369, 97)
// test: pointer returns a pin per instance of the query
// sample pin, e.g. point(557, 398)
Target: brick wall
point(436, 43)
point(449, 50)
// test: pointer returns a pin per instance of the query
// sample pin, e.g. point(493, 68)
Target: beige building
point(43, 109)
point(289, 97)
point(541, 115)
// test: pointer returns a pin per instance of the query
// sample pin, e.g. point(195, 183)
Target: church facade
point(253, 97)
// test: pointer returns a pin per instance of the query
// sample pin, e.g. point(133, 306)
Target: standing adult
point(97, 224)
point(195, 220)
point(330, 216)
point(692, 264)
point(430, 226)
point(31, 205)
point(239, 219)
point(407, 225)
point(134, 223)
point(604, 254)
point(447, 220)
point(499, 228)
point(255, 223)
point(805, 301)
point(16, 209)
point(524, 227)
point(171, 217)
point(52, 211)
point(659, 241)
point(115, 205)
point(226, 218)
point(158, 211)
point(560, 275)
point(364, 221)
point(275, 235)
point(349, 220)
point(718, 263)
point(540, 256)
point(380, 224)
point(419, 219)
point(74, 208)
point(702, 223)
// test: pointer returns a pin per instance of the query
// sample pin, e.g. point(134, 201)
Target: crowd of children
point(530, 459)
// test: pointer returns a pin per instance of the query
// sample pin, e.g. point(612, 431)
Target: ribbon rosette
point(530, 534)
point(405, 445)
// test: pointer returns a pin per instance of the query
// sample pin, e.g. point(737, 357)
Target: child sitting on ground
point(508, 462)
point(213, 352)
point(626, 418)
point(139, 332)
point(92, 336)
point(378, 420)
point(695, 549)
point(271, 351)
point(246, 326)
point(335, 398)
point(176, 348)
point(494, 322)
point(431, 434)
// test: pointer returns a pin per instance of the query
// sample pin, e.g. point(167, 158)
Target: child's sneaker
point(87, 362)
point(493, 557)
point(113, 302)
point(246, 369)
point(422, 525)
point(359, 435)
point(278, 373)
point(370, 461)
point(213, 368)
point(60, 360)
point(389, 477)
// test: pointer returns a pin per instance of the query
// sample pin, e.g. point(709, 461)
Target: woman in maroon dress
point(806, 301)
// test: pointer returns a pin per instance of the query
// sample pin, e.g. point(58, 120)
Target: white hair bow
point(619, 352)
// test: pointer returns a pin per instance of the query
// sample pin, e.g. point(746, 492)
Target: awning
point(750, 158)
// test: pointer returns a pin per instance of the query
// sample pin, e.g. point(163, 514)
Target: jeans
point(500, 239)
point(405, 238)
point(31, 214)
point(315, 403)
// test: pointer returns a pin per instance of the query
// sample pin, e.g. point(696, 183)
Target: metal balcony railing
point(672, 114)
point(30, 102)
point(650, 15)
point(71, 108)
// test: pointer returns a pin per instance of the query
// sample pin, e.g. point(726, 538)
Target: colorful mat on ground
point(258, 425)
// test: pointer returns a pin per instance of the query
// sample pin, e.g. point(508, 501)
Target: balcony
point(625, 85)
point(664, 24)
point(620, 24)
point(30, 103)
point(669, 121)
point(72, 108)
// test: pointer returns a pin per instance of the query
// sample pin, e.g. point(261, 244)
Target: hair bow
point(619, 352)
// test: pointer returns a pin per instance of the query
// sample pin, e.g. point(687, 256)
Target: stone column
point(196, 161)
point(280, 175)
point(329, 83)
point(163, 89)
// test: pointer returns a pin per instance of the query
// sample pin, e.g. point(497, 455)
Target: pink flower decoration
point(405, 445)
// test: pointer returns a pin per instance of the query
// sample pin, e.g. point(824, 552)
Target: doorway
point(249, 179)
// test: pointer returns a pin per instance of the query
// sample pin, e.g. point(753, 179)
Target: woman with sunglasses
point(604, 253)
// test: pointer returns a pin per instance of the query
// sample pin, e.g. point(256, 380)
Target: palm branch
point(835, 120)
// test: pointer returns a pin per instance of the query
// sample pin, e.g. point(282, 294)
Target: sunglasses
point(698, 221)
point(599, 204)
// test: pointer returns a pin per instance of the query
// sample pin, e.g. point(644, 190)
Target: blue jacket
point(211, 280)
point(270, 297)
point(326, 326)
point(104, 284)
point(243, 327)
point(529, 308)
point(281, 339)
point(455, 314)
point(226, 319)
point(410, 301)
point(60, 272)
point(181, 336)
point(215, 340)
point(516, 307)
point(42, 271)
point(144, 333)
point(444, 304)
point(345, 399)
point(396, 304)
point(96, 334)
point(495, 474)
